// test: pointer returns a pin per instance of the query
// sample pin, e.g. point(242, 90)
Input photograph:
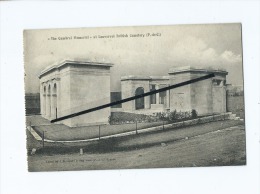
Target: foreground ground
point(212, 144)
point(61, 132)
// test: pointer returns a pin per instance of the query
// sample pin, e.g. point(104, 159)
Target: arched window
point(49, 89)
point(55, 89)
point(54, 101)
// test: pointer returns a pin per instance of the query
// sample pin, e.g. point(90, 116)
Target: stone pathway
point(34, 134)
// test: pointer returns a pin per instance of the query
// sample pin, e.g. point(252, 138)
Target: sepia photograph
point(168, 96)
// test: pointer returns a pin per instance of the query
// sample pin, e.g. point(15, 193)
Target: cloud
point(230, 57)
point(137, 56)
point(194, 51)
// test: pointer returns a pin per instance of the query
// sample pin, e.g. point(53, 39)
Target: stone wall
point(89, 91)
point(206, 96)
point(201, 94)
point(116, 96)
point(127, 91)
point(180, 97)
point(32, 103)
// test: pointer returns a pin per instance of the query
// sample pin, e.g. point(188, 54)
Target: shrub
point(173, 116)
point(162, 116)
point(194, 114)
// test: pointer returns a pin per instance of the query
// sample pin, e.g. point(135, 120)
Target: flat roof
point(143, 77)
point(182, 69)
point(69, 62)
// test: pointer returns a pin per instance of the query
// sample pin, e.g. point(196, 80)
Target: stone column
point(46, 105)
point(42, 97)
point(58, 96)
point(48, 102)
point(50, 107)
point(53, 111)
point(224, 99)
point(168, 98)
point(44, 100)
point(54, 99)
point(157, 94)
point(147, 103)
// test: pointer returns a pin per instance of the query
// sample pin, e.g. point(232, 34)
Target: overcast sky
point(217, 45)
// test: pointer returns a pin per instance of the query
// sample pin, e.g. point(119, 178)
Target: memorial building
point(73, 86)
point(206, 97)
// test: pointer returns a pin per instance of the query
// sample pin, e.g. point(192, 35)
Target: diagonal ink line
point(134, 97)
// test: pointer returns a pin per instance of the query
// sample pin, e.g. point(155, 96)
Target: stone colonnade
point(167, 97)
point(161, 100)
point(49, 98)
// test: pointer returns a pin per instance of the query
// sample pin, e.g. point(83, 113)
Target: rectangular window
point(162, 96)
point(217, 82)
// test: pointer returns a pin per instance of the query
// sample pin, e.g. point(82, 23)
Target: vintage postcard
point(134, 97)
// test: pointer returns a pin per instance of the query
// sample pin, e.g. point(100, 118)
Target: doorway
point(139, 102)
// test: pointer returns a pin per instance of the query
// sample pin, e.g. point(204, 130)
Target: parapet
point(143, 77)
point(184, 69)
point(73, 62)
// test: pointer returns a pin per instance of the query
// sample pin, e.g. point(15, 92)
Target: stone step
point(234, 116)
point(145, 112)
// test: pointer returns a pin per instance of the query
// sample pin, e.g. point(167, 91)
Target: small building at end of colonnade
point(206, 97)
point(73, 86)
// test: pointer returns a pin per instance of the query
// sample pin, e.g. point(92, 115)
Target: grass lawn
point(210, 144)
point(62, 132)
